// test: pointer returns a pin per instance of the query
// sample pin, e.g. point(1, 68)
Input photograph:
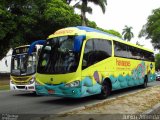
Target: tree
point(157, 61)
point(84, 8)
point(127, 33)
point(113, 32)
point(14, 17)
point(22, 22)
point(151, 30)
point(91, 24)
point(137, 43)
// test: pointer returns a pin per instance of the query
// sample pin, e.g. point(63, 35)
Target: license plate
point(51, 91)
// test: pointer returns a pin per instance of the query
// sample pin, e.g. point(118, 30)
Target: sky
point(133, 13)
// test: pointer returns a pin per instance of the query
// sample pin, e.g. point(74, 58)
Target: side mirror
point(78, 42)
point(32, 46)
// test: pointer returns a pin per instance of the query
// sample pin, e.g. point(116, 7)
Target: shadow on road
point(69, 101)
point(30, 94)
point(126, 90)
point(76, 101)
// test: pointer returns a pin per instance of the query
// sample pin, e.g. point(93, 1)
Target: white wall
point(5, 68)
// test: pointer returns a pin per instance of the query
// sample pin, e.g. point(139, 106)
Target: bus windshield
point(58, 57)
point(23, 64)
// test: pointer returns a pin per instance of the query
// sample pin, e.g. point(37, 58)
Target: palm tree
point(127, 33)
point(68, 1)
point(137, 43)
point(84, 7)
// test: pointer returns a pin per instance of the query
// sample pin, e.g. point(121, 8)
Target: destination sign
point(65, 31)
point(21, 50)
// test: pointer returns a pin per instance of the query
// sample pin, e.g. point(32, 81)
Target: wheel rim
point(145, 83)
point(104, 90)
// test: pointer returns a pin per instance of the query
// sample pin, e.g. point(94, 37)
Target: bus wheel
point(105, 90)
point(145, 83)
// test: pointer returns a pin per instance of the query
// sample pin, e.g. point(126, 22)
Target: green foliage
point(152, 28)
point(127, 33)
point(113, 32)
point(137, 43)
point(157, 60)
point(22, 22)
point(91, 24)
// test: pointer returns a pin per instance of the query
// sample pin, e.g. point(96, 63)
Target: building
point(5, 63)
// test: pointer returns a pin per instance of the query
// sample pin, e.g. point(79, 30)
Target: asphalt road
point(16, 102)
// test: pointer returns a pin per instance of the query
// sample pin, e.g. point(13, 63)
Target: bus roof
point(88, 29)
point(85, 30)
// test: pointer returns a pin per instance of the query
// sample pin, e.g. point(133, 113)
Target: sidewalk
point(134, 104)
point(154, 110)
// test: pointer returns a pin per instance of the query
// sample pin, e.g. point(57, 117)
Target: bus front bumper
point(58, 90)
point(15, 87)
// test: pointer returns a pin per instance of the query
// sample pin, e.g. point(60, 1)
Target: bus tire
point(145, 82)
point(105, 90)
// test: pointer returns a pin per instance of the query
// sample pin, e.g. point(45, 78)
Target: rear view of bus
point(23, 68)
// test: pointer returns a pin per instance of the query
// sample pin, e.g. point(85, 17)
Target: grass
point(4, 87)
point(4, 84)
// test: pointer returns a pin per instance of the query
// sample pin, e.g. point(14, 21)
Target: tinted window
point(104, 46)
point(127, 51)
point(120, 50)
point(95, 51)
point(57, 56)
point(148, 56)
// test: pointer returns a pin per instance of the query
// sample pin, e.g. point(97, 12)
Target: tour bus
point(23, 66)
point(81, 61)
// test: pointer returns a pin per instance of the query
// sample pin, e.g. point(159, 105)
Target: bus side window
point(87, 52)
point(103, 49)
point(96, 50)
point(120, 50)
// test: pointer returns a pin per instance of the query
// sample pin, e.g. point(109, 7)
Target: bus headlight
point(73, 84)
point(31, 81)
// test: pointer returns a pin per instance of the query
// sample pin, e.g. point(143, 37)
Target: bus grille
point(20, 87)
point(21, 83)
point(21, 78)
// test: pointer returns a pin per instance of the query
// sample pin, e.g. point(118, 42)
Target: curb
point(152, 109)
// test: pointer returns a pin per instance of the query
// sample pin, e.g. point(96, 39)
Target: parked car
point(158, 77)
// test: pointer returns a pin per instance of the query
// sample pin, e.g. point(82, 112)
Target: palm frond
point(101, 3)
point(89, 10)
